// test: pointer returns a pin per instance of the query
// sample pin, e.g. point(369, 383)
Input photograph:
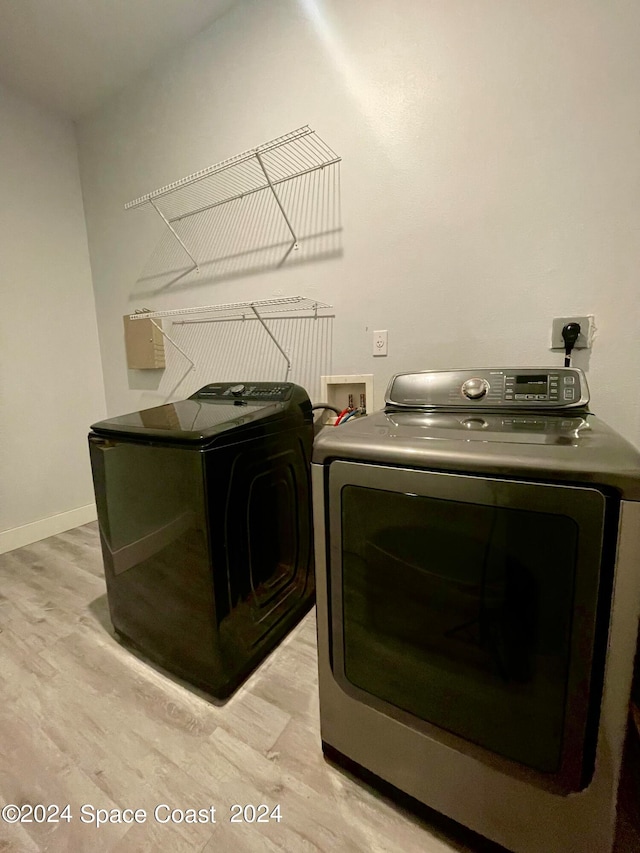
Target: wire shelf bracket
point(263, 168)
point(235, 311)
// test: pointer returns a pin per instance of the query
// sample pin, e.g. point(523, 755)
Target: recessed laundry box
point(205, 524)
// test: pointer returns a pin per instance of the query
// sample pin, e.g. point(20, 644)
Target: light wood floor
point(85, 722)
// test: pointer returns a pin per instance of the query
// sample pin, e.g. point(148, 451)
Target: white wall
point(51, 386)
point(490, 177)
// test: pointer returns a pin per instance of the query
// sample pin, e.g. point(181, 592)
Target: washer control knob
point(236, 390)
point(474, 389)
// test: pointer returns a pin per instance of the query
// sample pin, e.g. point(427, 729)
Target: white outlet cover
point(380, 342)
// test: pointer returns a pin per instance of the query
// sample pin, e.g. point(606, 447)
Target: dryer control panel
point(490, 388)
point(269, 392)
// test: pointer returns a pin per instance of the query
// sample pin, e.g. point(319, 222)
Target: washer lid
point(188, 420)
point(216, 408)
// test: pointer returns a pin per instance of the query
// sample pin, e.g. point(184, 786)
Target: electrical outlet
point(380, 342)
point(585, 338)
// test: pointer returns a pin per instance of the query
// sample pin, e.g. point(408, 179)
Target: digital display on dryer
point(537, 384)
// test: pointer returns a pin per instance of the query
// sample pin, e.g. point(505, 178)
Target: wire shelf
point(237, 310)
point(289, 156)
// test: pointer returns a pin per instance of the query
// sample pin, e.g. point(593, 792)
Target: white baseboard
point(17, 537)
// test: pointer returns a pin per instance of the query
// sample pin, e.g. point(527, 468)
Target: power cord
point(325, 406)
point(318, 425)
point(570, 334)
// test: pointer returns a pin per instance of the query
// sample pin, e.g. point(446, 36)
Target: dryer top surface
point(561, 447)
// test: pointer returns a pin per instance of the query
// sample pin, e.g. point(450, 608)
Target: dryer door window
point(470, 605)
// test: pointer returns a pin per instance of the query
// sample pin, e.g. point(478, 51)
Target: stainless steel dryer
point(478, 574)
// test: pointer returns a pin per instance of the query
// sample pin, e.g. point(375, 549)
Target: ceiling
point(73, 54)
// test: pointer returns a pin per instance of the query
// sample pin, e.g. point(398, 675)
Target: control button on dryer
point(236, 390)
point(568, 393)
point(475, 388)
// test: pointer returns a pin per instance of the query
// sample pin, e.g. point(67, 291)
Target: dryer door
point(471, 608)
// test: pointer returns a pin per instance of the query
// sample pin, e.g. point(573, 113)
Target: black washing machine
point(205, 523)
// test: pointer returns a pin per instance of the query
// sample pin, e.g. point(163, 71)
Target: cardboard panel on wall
point(144, 344)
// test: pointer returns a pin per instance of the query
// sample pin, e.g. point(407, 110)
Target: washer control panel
point(268, 392)
point(490, 388)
